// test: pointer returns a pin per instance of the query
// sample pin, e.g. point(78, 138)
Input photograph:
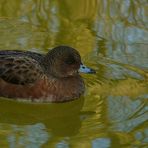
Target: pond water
point(112, 37)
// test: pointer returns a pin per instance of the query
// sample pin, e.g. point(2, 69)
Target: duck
point(52, 77)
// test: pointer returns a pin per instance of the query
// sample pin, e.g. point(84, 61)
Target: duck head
point(65, 61)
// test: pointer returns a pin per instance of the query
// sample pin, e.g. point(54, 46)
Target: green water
point(112, 37)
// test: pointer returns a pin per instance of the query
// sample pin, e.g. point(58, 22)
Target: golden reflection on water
point(112, 37)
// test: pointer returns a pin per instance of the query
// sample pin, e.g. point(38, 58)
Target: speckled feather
point(16, 69)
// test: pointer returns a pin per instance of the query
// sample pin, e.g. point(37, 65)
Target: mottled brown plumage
point(52, 77)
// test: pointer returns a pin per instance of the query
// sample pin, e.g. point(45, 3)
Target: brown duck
point(53, 77)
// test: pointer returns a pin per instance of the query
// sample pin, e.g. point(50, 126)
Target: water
point(112, 37)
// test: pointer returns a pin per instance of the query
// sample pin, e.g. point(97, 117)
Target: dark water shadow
point(61, 119)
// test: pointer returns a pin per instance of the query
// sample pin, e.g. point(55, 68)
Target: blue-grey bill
point(85, 69)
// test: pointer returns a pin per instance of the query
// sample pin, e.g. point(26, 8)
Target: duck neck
point(47, 64)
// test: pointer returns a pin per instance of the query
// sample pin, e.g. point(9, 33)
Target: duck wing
point(19, 69)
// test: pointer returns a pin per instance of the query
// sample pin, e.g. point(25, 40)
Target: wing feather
point(19, 69)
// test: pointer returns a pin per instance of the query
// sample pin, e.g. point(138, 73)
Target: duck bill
point(85, 69)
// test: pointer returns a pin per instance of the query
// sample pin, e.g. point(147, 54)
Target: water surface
point(111, 37)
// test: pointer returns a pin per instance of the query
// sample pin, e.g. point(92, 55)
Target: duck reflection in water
point(55, 117)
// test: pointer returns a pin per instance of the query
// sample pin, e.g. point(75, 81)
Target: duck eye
point(70, 61)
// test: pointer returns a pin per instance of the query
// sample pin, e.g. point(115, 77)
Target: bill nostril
point(85, 69)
